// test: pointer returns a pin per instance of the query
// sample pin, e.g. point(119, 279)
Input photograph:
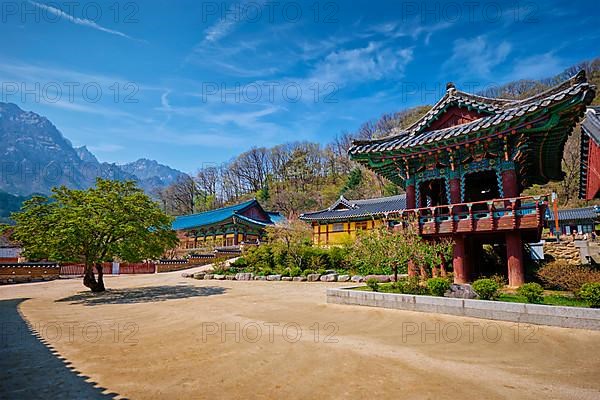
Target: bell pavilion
point(465, 163)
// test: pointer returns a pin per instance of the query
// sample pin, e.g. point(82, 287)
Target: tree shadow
point(148, 294)
point(31, 369)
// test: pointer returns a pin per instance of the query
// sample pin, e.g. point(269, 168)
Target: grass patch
point(549, 300)
point(553, 298)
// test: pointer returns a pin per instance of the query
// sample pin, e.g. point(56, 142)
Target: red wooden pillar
point(510, 185)
point(455, 190)
point(514, 255)
point(460, 262)
point(411, 197)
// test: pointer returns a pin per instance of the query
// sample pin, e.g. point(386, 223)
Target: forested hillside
point(298, 177)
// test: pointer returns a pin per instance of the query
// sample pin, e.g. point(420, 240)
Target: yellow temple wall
point(333, 233)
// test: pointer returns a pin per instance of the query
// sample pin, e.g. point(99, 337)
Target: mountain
point(151, 174)
point(37, 157)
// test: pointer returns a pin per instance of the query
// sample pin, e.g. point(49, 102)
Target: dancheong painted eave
point(345, 209)
point(540, 124)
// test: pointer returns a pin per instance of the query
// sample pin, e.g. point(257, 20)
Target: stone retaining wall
point(565, 317)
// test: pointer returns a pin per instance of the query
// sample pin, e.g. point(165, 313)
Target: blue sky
point(190, 83)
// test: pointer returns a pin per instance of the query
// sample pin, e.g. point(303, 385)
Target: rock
point(343, 278)
point(209, 276)
point(299, 279)
point(357, 278)
point(461, 292)
point(199, 275)
point(274, 277)
point(329, 278)
point(230, 277)
point(244, 276)
point(286, 278)
point(330, 271)
point(313, 277)
point(219, 277)
point(260, 278)
point(380, 278)
point(187, 275)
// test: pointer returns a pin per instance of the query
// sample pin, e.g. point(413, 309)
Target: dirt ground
point(167, 337)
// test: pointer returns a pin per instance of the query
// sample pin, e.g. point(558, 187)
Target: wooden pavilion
point(589, 175)
point(465, 163)
point(231, 226)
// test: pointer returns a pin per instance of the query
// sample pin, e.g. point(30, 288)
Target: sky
point(194, 83)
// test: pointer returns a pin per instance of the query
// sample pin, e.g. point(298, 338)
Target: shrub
point(240, 263)
point(590, 292)
point(487, 289)
point(321, 271)
point(265, 271)
point(295, 271)
point(410, 285)
point(307, 272)
point(533, 292)
point(219, 266)
point(560, 275)
point(438, 286)
point(373, 284)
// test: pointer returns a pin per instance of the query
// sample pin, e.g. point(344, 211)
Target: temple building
point(589, 175)
point(231, 226)
point(345, 217)
point(574, 220)
point(465, 163)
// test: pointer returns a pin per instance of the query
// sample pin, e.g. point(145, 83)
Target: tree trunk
point(89, 279)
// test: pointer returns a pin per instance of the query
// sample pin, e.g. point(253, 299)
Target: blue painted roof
point(575, 214)
point(209, 217)
point(221, 214)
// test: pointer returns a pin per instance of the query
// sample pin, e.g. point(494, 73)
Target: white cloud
point(476, 57)
point(79, 21)
point(537, 66)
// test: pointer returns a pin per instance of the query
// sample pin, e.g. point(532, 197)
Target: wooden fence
point(107, 269)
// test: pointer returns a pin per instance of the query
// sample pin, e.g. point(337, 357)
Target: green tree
point(112, 220)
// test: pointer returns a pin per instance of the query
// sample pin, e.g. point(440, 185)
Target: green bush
point(295, 271)
point(373, 284)
point(321, 271)
point(533, 292)
point(590, 292)
point(562, 276)
point(265, 271)
point(487, 289)
point(438, 286)
point(307, 272)
point(410, 285)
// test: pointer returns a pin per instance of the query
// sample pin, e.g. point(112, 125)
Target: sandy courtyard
point(163, 336)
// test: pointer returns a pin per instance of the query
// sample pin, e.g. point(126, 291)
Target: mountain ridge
point(36, 157)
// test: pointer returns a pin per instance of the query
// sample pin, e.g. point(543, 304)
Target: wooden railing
point(526, 212)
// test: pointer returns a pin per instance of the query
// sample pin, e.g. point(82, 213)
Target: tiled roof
point(358, 209)
point(591, 124)
point(575, 214)
point(219, 215)
point(500, 112)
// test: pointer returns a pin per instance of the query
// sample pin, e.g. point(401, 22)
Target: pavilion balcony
point(499, 215)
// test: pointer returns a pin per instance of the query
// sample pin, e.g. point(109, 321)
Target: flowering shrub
point(562, 276)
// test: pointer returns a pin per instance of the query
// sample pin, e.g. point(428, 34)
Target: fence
point(107, 269)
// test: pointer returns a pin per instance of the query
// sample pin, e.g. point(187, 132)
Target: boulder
point(274, 277)
point(187, 275)
point(313, 277)
point(244, 276)
point(357, 278)
point(199, 275)
point(343, 278)
point(209, 276)
point(219, 277)
point(260, 278)
point(286, 278)
point(230, 277)
point(299, 279)
point(458, 291)
point(380, 278)
point(328, 278)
